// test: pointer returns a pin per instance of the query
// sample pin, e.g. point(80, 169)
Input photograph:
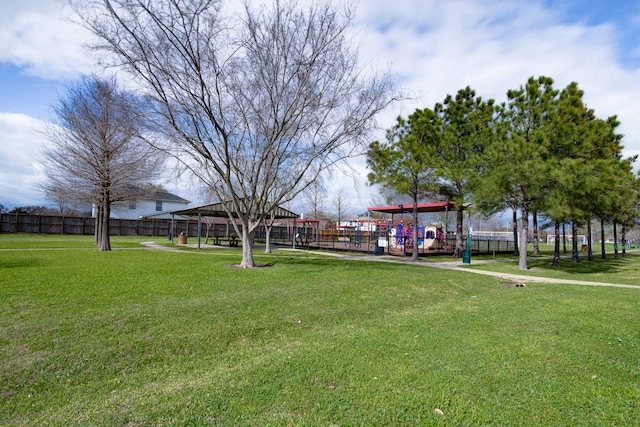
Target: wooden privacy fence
point(51, 224)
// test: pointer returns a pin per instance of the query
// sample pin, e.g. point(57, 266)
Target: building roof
point(164, 196)
point(218, 210)
point(422, 207)
point(165, 215)
point(153, 193)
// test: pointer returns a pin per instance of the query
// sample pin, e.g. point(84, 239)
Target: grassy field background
point(137, 337)
point(622, 270)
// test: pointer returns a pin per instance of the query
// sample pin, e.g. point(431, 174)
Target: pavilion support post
point(370, 234)
point(199, 227)
point(389, 235)
point(446, 228)
point(172, 230)
point(344, 236)
point(404, 233)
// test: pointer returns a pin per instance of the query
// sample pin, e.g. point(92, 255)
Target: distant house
point(152, 204)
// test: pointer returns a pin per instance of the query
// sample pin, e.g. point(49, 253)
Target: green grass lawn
point(136, 337)
point(623, 270)
point(59, 241)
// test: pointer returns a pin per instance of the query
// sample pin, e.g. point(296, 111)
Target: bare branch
point(99, 148)
point(258, 104)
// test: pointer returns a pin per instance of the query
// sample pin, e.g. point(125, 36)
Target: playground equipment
point(403, 233)
point(305, 231)
point(403, 237)
point(384, 230)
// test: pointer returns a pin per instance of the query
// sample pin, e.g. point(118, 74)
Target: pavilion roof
point(422, 207)
point(218, 210)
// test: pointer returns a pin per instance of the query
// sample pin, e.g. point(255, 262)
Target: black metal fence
point(283, 234)
point(487, 245)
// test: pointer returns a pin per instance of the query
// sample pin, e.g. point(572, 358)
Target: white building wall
point(145, 208)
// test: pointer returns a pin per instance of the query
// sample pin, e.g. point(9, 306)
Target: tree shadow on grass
point(23, 263)
point(597, 266)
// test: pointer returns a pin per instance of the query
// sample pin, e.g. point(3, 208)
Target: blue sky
point(623, 15)
point(27, 94)
point(433, 47)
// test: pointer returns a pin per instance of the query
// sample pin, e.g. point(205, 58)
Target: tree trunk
point(564, 238)
point(524, 233)
point(624, 240)
point(104, 243)
point(589, 248)
point(267, 238)
point(556, 246)
point(247, 248)
point(206, 238)
point(574, 242)
point(615, 239)
point(536, 246)
point(515, 232)
point(603, 249)
point(459, 241)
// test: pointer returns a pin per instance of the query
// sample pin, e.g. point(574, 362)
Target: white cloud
point(447, 47)
point(435, 48)
point(37, 36)
point(438, 48)
point(21, 143)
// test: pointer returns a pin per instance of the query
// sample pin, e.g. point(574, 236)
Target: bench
point(233, 240)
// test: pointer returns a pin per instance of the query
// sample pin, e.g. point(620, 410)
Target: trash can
point(182, 238)
point(466, 256)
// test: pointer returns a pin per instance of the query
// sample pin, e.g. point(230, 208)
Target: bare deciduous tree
point(340, 205)
point(314, 197)
point(255, 104)
point(98, 151)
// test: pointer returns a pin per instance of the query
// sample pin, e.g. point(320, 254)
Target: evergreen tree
point(404, 161)
point(466, 132)
point(516, 162)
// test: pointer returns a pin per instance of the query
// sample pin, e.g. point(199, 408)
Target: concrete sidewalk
point(157, 247)
point(528, 279)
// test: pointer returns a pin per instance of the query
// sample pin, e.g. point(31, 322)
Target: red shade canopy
point(422, 207)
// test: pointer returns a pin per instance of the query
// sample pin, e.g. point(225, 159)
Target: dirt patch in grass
point(237, 266)
point(513, 284)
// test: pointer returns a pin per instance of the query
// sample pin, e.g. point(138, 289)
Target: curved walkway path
point(457, 265)
point(521, 278)
point(450, 265)
point(525, 278)
point(154, 245)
